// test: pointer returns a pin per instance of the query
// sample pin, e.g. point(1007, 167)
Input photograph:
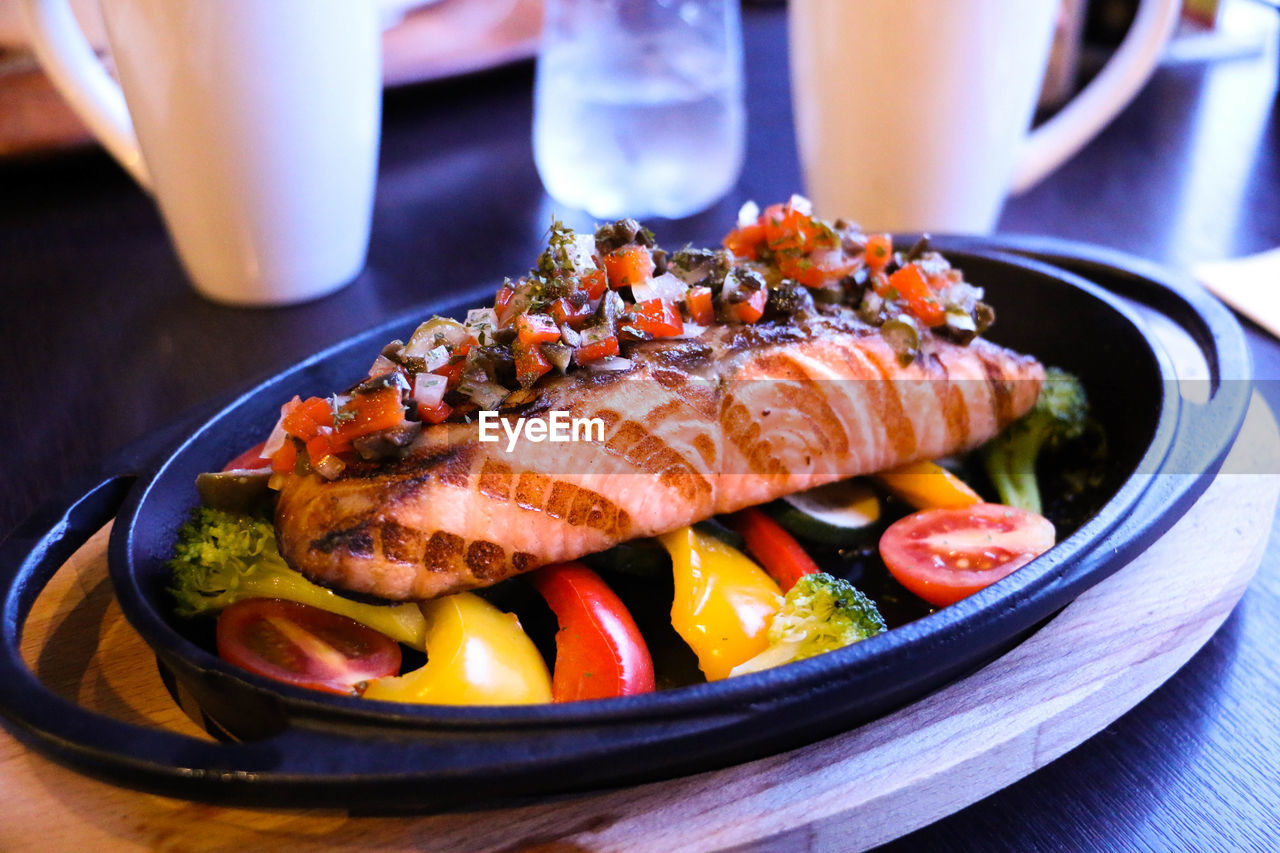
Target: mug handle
point(70, 62)
point(1051, 144)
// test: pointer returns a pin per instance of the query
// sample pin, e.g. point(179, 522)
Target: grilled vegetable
point(927, 485)
point(944, 555)
point(303, 645)
point(820, 613)
point(723, 602)
point(222, 558)
point(599, 650)
point(1060, 414)
point(774, 548)
point(841, 514)
point(476, 655)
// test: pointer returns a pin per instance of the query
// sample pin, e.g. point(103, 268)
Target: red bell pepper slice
point(594, 282)
point(503, 299)
point(914, 288)
point(701, 309)
point(629, 265)
point(597, 349)
point(745, 242)
point(752, 308)
point(536, 329)
point(437, 414)
point(575, 316)
point(284, 459)
point(305, 419)
point(878, 251)
point(774, 548)
point(369, 413)
point(531, 364)
point(659, 318)
point(599, 650)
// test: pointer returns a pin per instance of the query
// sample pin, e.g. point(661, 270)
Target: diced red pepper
point(596, 350)
point(752, 308)
point(701, 309)
point(305, 419)
point(452, 371)
point(536, 328)
point(594, 282)
point(370, 413)
point(786, 229)
point(878, 251)
point(817, 268)
point(774, 548)
point(285, 458)
point(326, 444)
point(911, 285)
point(600, 652)
point(745, 241)
point(576, 316)
point(437, 414)
point(531, 364)
point(628, 265)
point(659, 318)
point(503, 299)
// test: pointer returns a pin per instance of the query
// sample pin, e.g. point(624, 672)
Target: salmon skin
point(736, 417)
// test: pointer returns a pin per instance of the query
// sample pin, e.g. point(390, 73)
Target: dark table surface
point(102, 342)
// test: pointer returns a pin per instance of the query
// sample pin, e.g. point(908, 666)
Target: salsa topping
point(590, 298)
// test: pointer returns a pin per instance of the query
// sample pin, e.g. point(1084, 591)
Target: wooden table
point(1191, 171)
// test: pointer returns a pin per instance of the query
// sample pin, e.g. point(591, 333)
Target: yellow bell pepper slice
point(723, 602)
point(476, 655)
point(927, 485)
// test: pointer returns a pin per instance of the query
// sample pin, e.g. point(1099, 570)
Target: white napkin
point(1251, 285)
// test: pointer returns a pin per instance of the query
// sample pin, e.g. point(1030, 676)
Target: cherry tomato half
point(944, 555)
point(250, 460)
point(303, 645)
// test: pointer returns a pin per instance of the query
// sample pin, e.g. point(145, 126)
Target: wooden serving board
point(1098, 658)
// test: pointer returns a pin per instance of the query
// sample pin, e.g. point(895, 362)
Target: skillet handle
point(121, 752)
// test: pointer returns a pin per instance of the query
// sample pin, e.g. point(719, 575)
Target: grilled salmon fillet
point(739, 416)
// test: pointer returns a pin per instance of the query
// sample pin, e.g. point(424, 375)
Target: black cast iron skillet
point(304, 748)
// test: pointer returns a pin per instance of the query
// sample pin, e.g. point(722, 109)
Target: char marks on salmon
point(734, 418)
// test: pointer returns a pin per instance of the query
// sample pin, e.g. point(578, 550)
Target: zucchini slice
point(840, 514)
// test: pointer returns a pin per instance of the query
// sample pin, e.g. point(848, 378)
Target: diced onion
point(382, 365)
point(486, 395)
point(581, 254)
point(328, 466)
point(482, 321)
point(609, 363)
point(731, 286)
point(666, 287)
point(429, 388)
point(437, 358)
point(434, 332)
point(748, 214)
point(276, 440)
point(801, 205)
point(691, 330)
point(596, 334)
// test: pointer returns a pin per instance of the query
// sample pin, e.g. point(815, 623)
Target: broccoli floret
point(223, 557)
point(1060, 414)
point(819, 614)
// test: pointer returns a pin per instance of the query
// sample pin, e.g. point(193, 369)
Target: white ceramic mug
point(913, 115)
point(257, 126)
